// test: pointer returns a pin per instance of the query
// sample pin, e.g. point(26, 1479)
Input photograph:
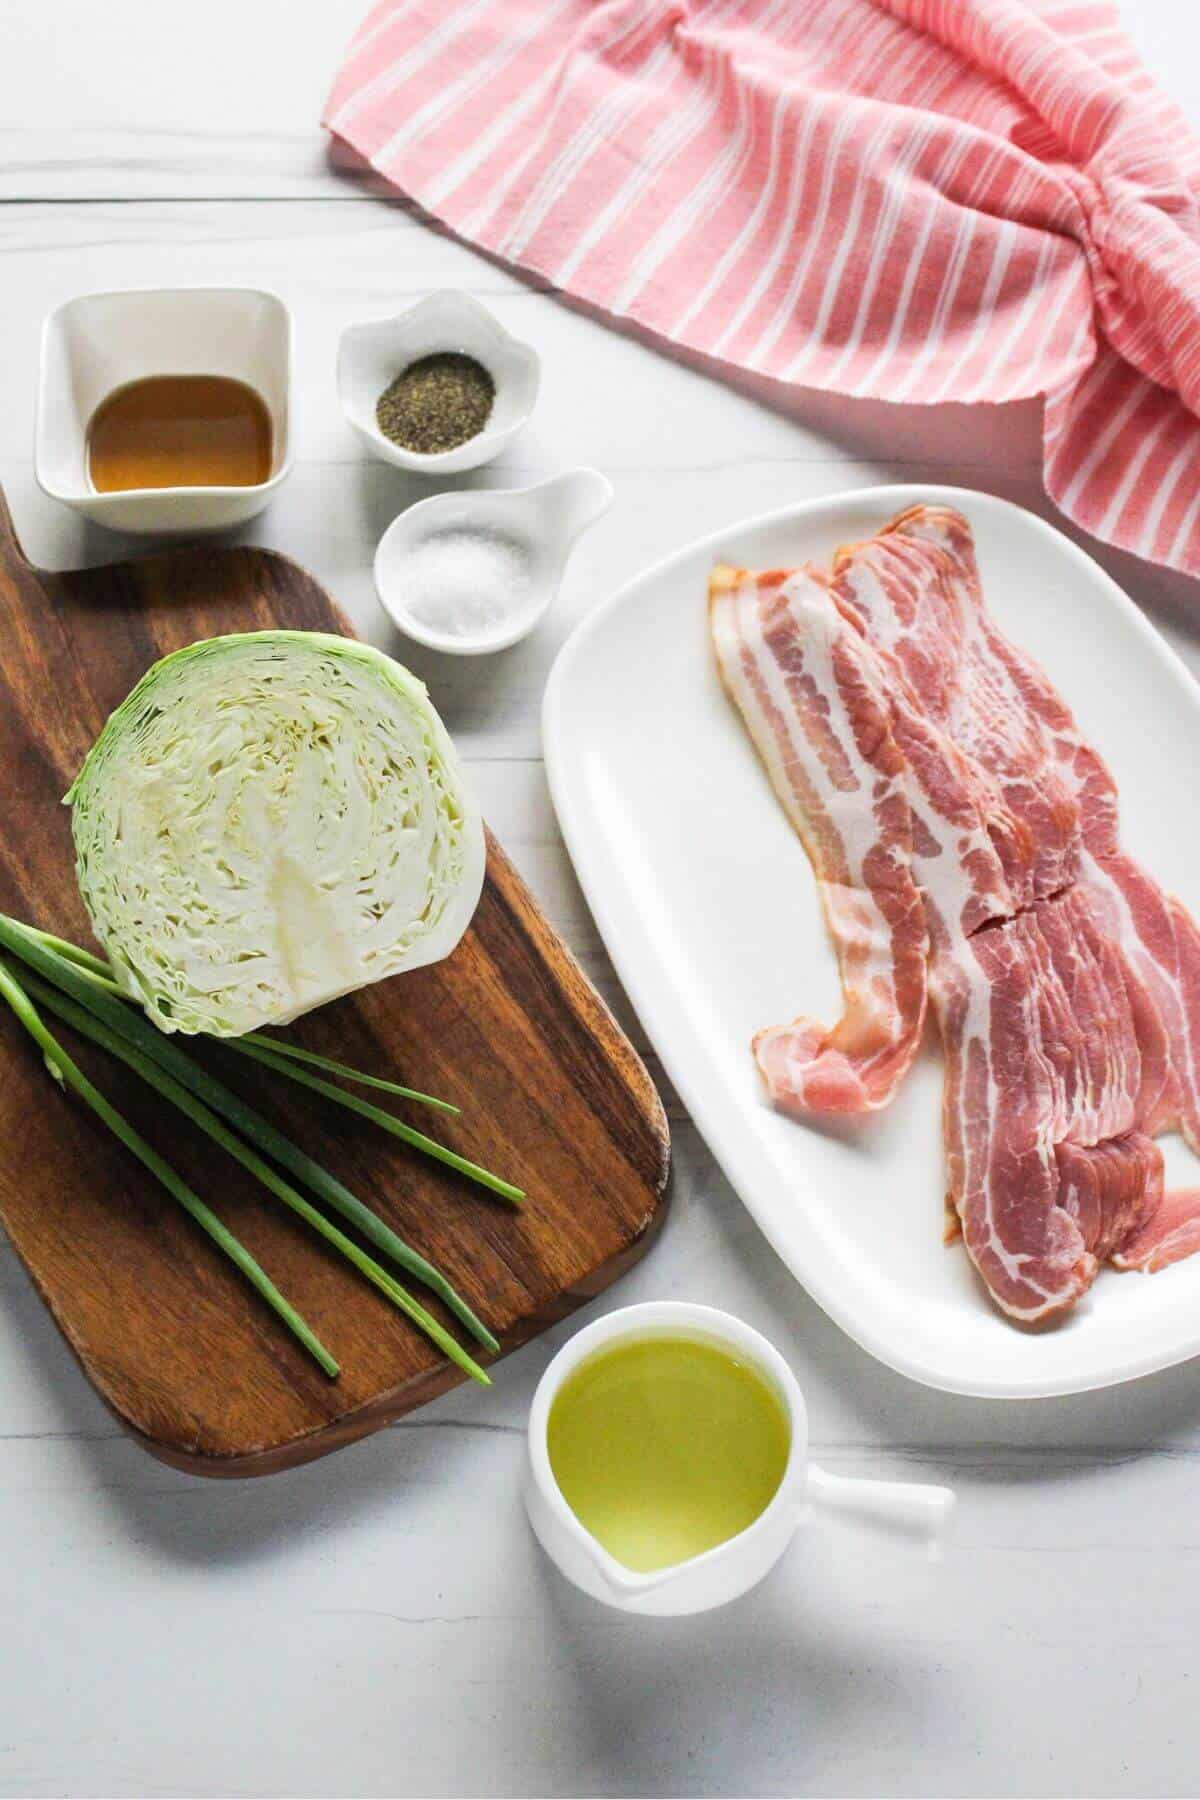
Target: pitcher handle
point(917, 1509)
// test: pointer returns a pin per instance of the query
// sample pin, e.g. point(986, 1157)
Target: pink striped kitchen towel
point(918, 200)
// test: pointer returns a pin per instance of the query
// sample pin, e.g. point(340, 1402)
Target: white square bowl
point(98, 342)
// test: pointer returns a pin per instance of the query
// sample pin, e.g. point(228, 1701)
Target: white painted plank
point(329, 518)
point(176, 100)
point(687, 453)
point(607, 396)
point(172, 99)
point(299, 1637)
point(710, 1252)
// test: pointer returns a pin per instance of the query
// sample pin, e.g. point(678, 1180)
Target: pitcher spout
point(621, 1581)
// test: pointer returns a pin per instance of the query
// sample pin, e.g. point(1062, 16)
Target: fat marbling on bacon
point(818, 714)
point(1065, 983)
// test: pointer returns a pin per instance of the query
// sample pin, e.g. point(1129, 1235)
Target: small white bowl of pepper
point(438, 389)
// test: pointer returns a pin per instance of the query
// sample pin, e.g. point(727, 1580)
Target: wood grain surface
point(508, 1027)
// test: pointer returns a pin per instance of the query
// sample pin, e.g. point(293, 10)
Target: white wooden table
point(381, 1623)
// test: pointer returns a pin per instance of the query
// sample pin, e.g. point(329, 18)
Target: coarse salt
point(465, 583)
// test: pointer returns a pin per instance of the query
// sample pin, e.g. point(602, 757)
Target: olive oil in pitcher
point(665, 1446)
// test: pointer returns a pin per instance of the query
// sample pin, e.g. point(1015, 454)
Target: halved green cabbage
point(268, 821)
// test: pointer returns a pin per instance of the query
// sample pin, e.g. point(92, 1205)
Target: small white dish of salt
point(475, 571)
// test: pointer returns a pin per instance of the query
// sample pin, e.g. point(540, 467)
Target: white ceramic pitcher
point(729, 1569)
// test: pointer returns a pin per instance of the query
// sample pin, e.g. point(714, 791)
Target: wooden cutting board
point(552, 1094)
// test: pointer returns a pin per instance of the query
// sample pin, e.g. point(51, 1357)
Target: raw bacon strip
point(914, 590)
point(1170, 1234)
point(947, 837)
point(951, 800)
point(809, 692)
point(1041, 732)
point(975, 664)
point(1159, 943)
point(1047, 1169)
point(1040, 1202)
point(1067, 985)
point(1111, 1189)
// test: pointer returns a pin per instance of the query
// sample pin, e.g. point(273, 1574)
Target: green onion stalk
point(276, 1054)
point(171, 1090)
point(102, 973)
point(63, 1068)
point(128, 1023)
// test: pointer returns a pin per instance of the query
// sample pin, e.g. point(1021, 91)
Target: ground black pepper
point(436, 403)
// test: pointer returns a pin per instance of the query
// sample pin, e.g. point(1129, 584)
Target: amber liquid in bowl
point(179, 431)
